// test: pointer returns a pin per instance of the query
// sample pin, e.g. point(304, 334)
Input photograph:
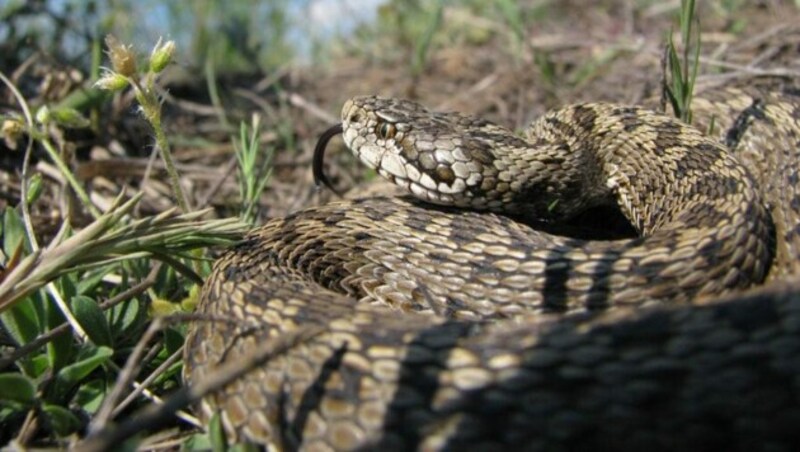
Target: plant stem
point(152, 112)
point(174, 179)
point(71, 180)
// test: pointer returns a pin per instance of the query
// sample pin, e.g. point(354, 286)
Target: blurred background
point(251, 85)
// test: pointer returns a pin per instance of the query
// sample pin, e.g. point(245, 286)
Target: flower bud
point(123, 59)
point(161, 307)
point(161, 56)
point(111, 81)
point(35, 186)
point(189, 303)
point(12, 130)
point(43, 115)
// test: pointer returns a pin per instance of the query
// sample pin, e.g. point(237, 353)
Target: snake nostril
point(354, 117)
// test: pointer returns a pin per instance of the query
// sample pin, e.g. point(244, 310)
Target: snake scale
point(445, 324)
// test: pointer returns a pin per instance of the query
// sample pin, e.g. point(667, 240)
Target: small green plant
point(253, 175)
point(422, 45)
point(680, 72)
point(75, 308)
point(123, 73)
point(56, 376)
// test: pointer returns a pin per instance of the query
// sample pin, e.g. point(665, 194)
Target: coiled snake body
point(442, 327)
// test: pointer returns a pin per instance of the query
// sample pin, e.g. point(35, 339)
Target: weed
point(124, 73)
point(680, 72)
point(75, 307)
point(422, 45)
point(253, 176)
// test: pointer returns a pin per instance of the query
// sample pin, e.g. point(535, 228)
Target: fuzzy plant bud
point(12, 130)
point(123, 59)
point(69, 118)
point(43, 115)
point(161, 55)
point(111, 81)
point(35, 187)
point(161, 307)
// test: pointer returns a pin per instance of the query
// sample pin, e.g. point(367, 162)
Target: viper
point(459, 316)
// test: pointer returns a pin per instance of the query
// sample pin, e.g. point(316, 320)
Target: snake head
point(435, 156)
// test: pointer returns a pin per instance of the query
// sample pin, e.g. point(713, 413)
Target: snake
point(458, 316)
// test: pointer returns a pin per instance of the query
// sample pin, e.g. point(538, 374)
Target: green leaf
point(60, 350)
point(89, 282)
point(126, 317)
point(171, 372)
point(92, 319)
point(90, 395)
point(60, 419)
point(687, 15)
point(544, 63)
point(39, 364)
point(35, 186)
point(69, 118)
point(13, 231)
point(197, 441)
point(711, 126)
point(244, 447)
point(216, 433)
point(173, 340)
point(67, 286)
point(76, 372)
point(22, 321)
point(17, 388)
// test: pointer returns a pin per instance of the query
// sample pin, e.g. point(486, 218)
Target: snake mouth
point(319, 156)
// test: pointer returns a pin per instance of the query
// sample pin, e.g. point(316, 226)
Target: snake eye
point(386, 130)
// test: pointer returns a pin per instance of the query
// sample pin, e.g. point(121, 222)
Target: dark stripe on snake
point(557, 271)
point(418, 383)
point(311, 399)
point(742, 122)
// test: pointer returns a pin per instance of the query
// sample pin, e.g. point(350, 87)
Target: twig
point(29, 427)
point(141, 387)
point(315, 110)
point(66, 311)
point(780, 72)
point(765, 35)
